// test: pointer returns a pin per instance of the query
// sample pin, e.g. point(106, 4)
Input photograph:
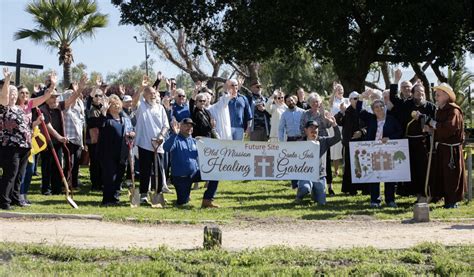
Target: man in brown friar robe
point(448, 179)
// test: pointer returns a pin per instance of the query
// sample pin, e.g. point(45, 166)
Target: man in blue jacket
point(184, 164)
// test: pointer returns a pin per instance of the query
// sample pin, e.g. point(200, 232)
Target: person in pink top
point(15, 140)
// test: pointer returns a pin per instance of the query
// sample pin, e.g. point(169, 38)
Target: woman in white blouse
point(275, 106)
point(335, 101)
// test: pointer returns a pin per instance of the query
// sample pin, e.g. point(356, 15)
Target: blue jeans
point(211, 190)
point(317, 190)
point(375, 193)
point(237, 133)
point(26, 180)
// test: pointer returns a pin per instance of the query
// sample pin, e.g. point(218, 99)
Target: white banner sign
point(255, 160)
point(374, 161)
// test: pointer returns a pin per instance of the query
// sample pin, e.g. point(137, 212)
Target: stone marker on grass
point(212, 237)
point(421, 212)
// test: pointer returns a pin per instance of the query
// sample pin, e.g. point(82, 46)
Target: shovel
point(157, 198)
point(133, 193)
point(55, 156)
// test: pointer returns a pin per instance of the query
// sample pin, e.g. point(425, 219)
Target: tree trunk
point(353, 74)
point(67, 73)
point(439, 74)
point(253, 70)
point(421, 74)
point(385, 74)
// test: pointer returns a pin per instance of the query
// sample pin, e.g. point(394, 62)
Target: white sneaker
point(143, 198)
point(165, 189)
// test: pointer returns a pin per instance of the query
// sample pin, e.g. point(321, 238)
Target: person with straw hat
point(448, 180)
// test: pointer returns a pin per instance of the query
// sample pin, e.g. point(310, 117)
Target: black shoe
point(46, 192)
point(353, 193)
point(331, 192)
point(451, 206)
point(6, 207)
point(109, 204)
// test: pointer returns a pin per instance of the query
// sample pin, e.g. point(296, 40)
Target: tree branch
point(438, 73)
point(421, 74)
point(372, 85)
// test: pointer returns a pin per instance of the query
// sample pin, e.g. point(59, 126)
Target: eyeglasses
point(181, 95)
point(258, 86)
point(235, 85)
point(99, 95)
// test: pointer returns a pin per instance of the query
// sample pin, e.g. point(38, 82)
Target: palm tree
point(461, 80)
point(60, 23)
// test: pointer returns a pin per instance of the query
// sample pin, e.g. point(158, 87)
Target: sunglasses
point(181, 95)
point(202, 101)
point(99, 95)
point(279, 97)
point(355, 98)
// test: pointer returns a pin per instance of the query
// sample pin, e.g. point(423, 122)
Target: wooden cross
point(18, 65)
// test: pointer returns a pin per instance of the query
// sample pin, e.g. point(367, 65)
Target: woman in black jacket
point(381, 126)
point(353, 129)
point(204, 128)
point(201, 117)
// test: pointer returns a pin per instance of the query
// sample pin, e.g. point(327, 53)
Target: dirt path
point(315, 234)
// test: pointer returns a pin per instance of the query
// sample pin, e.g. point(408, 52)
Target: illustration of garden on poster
point(374, 161)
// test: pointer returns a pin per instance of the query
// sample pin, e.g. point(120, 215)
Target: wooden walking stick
point(428, 169)
point(58, 164)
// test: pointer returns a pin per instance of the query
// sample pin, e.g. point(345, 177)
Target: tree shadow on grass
point(227, 192)
point(51, 202)
point(251, 198)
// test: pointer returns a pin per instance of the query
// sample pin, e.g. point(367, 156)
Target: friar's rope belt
point(451, 164)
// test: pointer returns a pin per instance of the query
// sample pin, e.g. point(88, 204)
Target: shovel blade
point(157, 200)
point(134, 198)
point(71, 202)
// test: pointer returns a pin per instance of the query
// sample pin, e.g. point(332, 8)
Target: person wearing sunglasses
point(92, 136)
point(275, 106)
point(180, 108)
point(260, 126)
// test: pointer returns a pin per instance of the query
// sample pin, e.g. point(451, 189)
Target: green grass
point(238, 200)
point(423, 259)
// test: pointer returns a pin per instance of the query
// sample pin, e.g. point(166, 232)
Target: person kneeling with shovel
point(184, 164)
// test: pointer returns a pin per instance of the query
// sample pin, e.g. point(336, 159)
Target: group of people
point(159, 129)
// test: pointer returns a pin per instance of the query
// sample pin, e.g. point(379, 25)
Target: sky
point(112, 49)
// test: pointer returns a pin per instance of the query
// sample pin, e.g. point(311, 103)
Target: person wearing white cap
point(127, 108)
point(448, 178)
point(353, 129)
